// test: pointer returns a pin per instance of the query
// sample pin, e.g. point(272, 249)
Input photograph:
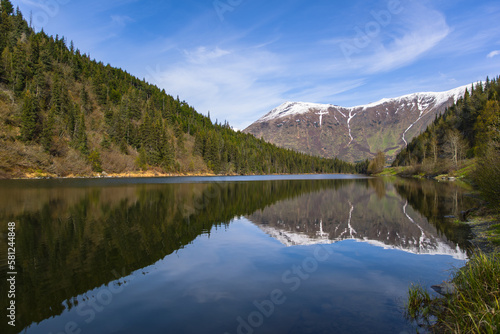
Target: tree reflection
point(73, 238)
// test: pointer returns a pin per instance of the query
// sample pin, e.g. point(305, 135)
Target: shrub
point(487, 175)
point(95, 161)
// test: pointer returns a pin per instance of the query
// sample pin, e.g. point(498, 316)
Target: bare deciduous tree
point(455, 147)
point(434, 146)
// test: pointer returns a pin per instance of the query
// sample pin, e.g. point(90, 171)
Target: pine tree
point(137, 115)
point(30, 118)
point(48, 131)
point(85, 101)
point(7, 7)
point(19, 69)
point(142, 159)
point(79, 140)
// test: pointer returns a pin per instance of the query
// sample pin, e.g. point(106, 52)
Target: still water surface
point(300, 254)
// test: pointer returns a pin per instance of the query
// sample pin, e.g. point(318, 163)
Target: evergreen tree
point(30, 118)
point(79, 140)
point(48, 132)
point(65, 88)
point(85, 101)
point(7, 7)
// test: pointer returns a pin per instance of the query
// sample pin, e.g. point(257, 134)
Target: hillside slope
point(63, 114)
point(468, 130)
point(354, 133)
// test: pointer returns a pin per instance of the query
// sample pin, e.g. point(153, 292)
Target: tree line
point(56, 101)
point(467, 131)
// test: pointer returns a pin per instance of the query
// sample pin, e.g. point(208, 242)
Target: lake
point(275, 254)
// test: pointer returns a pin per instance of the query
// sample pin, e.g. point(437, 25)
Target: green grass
point(494, 234)
point(473, 308)
point(458, 222)
point(381, 140)
point(466, 171)
point(391, 171)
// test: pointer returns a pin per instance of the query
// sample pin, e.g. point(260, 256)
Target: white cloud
point(407, 38)
point(408, 48)
point(202, 55)
point(241, 85)
point(227, 83)
point(493, 54)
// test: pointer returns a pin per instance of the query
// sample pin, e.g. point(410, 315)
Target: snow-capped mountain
point(353, 133)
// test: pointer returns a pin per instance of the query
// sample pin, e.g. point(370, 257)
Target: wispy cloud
point(203, 56)
point(472, 32)
point(416, 31)
point(229, 80)
point(243, 83)
point(493, 54)
point(264, 53)
point(408, 48)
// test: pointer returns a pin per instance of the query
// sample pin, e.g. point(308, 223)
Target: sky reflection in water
point(238, 278)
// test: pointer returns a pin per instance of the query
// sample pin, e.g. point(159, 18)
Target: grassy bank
point(484, 221)
point(471, 300)
point(473, 306)
point(439, 172)
point(485, 226)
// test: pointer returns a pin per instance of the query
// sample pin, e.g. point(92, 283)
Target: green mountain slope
point(465, 130)
point(62, 113)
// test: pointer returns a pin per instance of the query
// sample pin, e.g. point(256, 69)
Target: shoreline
point(484, 228)
point(479, 221)
point(147, 174)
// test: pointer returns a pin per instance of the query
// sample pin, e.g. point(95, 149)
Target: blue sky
point(239, 59)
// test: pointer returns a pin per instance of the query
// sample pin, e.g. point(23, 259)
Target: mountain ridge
point(459, 91)
point(410, 113)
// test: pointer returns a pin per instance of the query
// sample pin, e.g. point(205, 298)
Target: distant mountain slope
point(463, 142)
point(354, 133)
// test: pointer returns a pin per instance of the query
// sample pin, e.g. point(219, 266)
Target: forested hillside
point(62, 113)
point(469, 131)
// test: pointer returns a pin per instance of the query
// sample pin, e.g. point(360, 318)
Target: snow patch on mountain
point(422, 101)
point(294, 108)
point(351, 116)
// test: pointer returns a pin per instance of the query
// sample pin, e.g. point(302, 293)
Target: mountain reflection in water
point(380, 214)
point(74, 236)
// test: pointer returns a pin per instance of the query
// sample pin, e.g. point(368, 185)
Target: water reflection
point(76, 236)
point(401, 214)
